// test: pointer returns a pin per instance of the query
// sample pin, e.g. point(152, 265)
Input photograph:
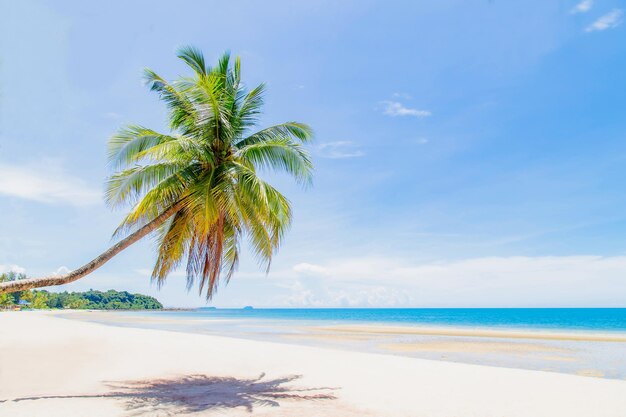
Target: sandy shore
point(50, 366)
point(452, 331)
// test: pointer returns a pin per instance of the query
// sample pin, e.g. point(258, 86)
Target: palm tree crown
point(205, 172)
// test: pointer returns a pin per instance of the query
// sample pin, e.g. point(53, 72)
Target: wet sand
point(452, 331)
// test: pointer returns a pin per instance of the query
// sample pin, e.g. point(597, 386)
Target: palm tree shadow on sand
point(197, 393)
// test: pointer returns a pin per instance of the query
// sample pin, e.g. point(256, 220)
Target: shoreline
point(69, 368)
point(397, 328)
point(490, 332)
point(575, 353)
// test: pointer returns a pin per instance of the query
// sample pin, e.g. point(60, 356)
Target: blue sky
point(468, 153)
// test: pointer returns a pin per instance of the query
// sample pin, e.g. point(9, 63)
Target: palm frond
point(250, 109)
point(194, 58)
point(299, 131)
point(182, 111)
point(173, 246)
point(128, 186)
point(126, 146)
point(206, 169)
point(280, 153)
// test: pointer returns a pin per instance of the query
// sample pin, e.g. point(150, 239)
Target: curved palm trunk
point(26, 284)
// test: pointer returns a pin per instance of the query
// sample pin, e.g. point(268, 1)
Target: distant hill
point(98, 300)
point(89, 300)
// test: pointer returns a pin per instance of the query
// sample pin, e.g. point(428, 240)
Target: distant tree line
point(89, 300)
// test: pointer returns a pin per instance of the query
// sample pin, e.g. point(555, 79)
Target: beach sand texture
point(51, 366)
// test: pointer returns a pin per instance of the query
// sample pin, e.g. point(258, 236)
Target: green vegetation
point(98, 300)
point(198, 187)
point(92, 300)
point(9, 300)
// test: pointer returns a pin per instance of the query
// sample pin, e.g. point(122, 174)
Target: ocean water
point(334, 328)
point(589, 319)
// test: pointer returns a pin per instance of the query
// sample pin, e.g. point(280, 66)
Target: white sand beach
point(50, 366)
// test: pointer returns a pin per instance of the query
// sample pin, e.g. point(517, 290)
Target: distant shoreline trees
point(88, 300)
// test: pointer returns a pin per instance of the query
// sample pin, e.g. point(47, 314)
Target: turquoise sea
point(595, 319)
point(467, 336)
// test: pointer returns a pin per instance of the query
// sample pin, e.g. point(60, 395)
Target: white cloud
point(402, 95)
point(394, 108)
point(339, 150)
point(582, 7)
point(421, 141)
point(518, 281)
point(373, 296)
point(609, 21)
point(112, 115)
point(306, 268)
point(4, 268)
point(62, 270)
point(46, 183)
point(479, 282)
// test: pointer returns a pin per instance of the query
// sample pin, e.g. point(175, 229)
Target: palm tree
point(197, 188)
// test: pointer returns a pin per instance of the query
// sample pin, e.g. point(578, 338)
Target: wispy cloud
point(62, 270)
point(312, 269)
point(609, 21)
point(339, 150)
point(45, 183)
point(4, 268)
point(394, 108)
point(306, 293)
point(112, 115)
point(490, 281)
point(582, 7)
point(405, 96)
